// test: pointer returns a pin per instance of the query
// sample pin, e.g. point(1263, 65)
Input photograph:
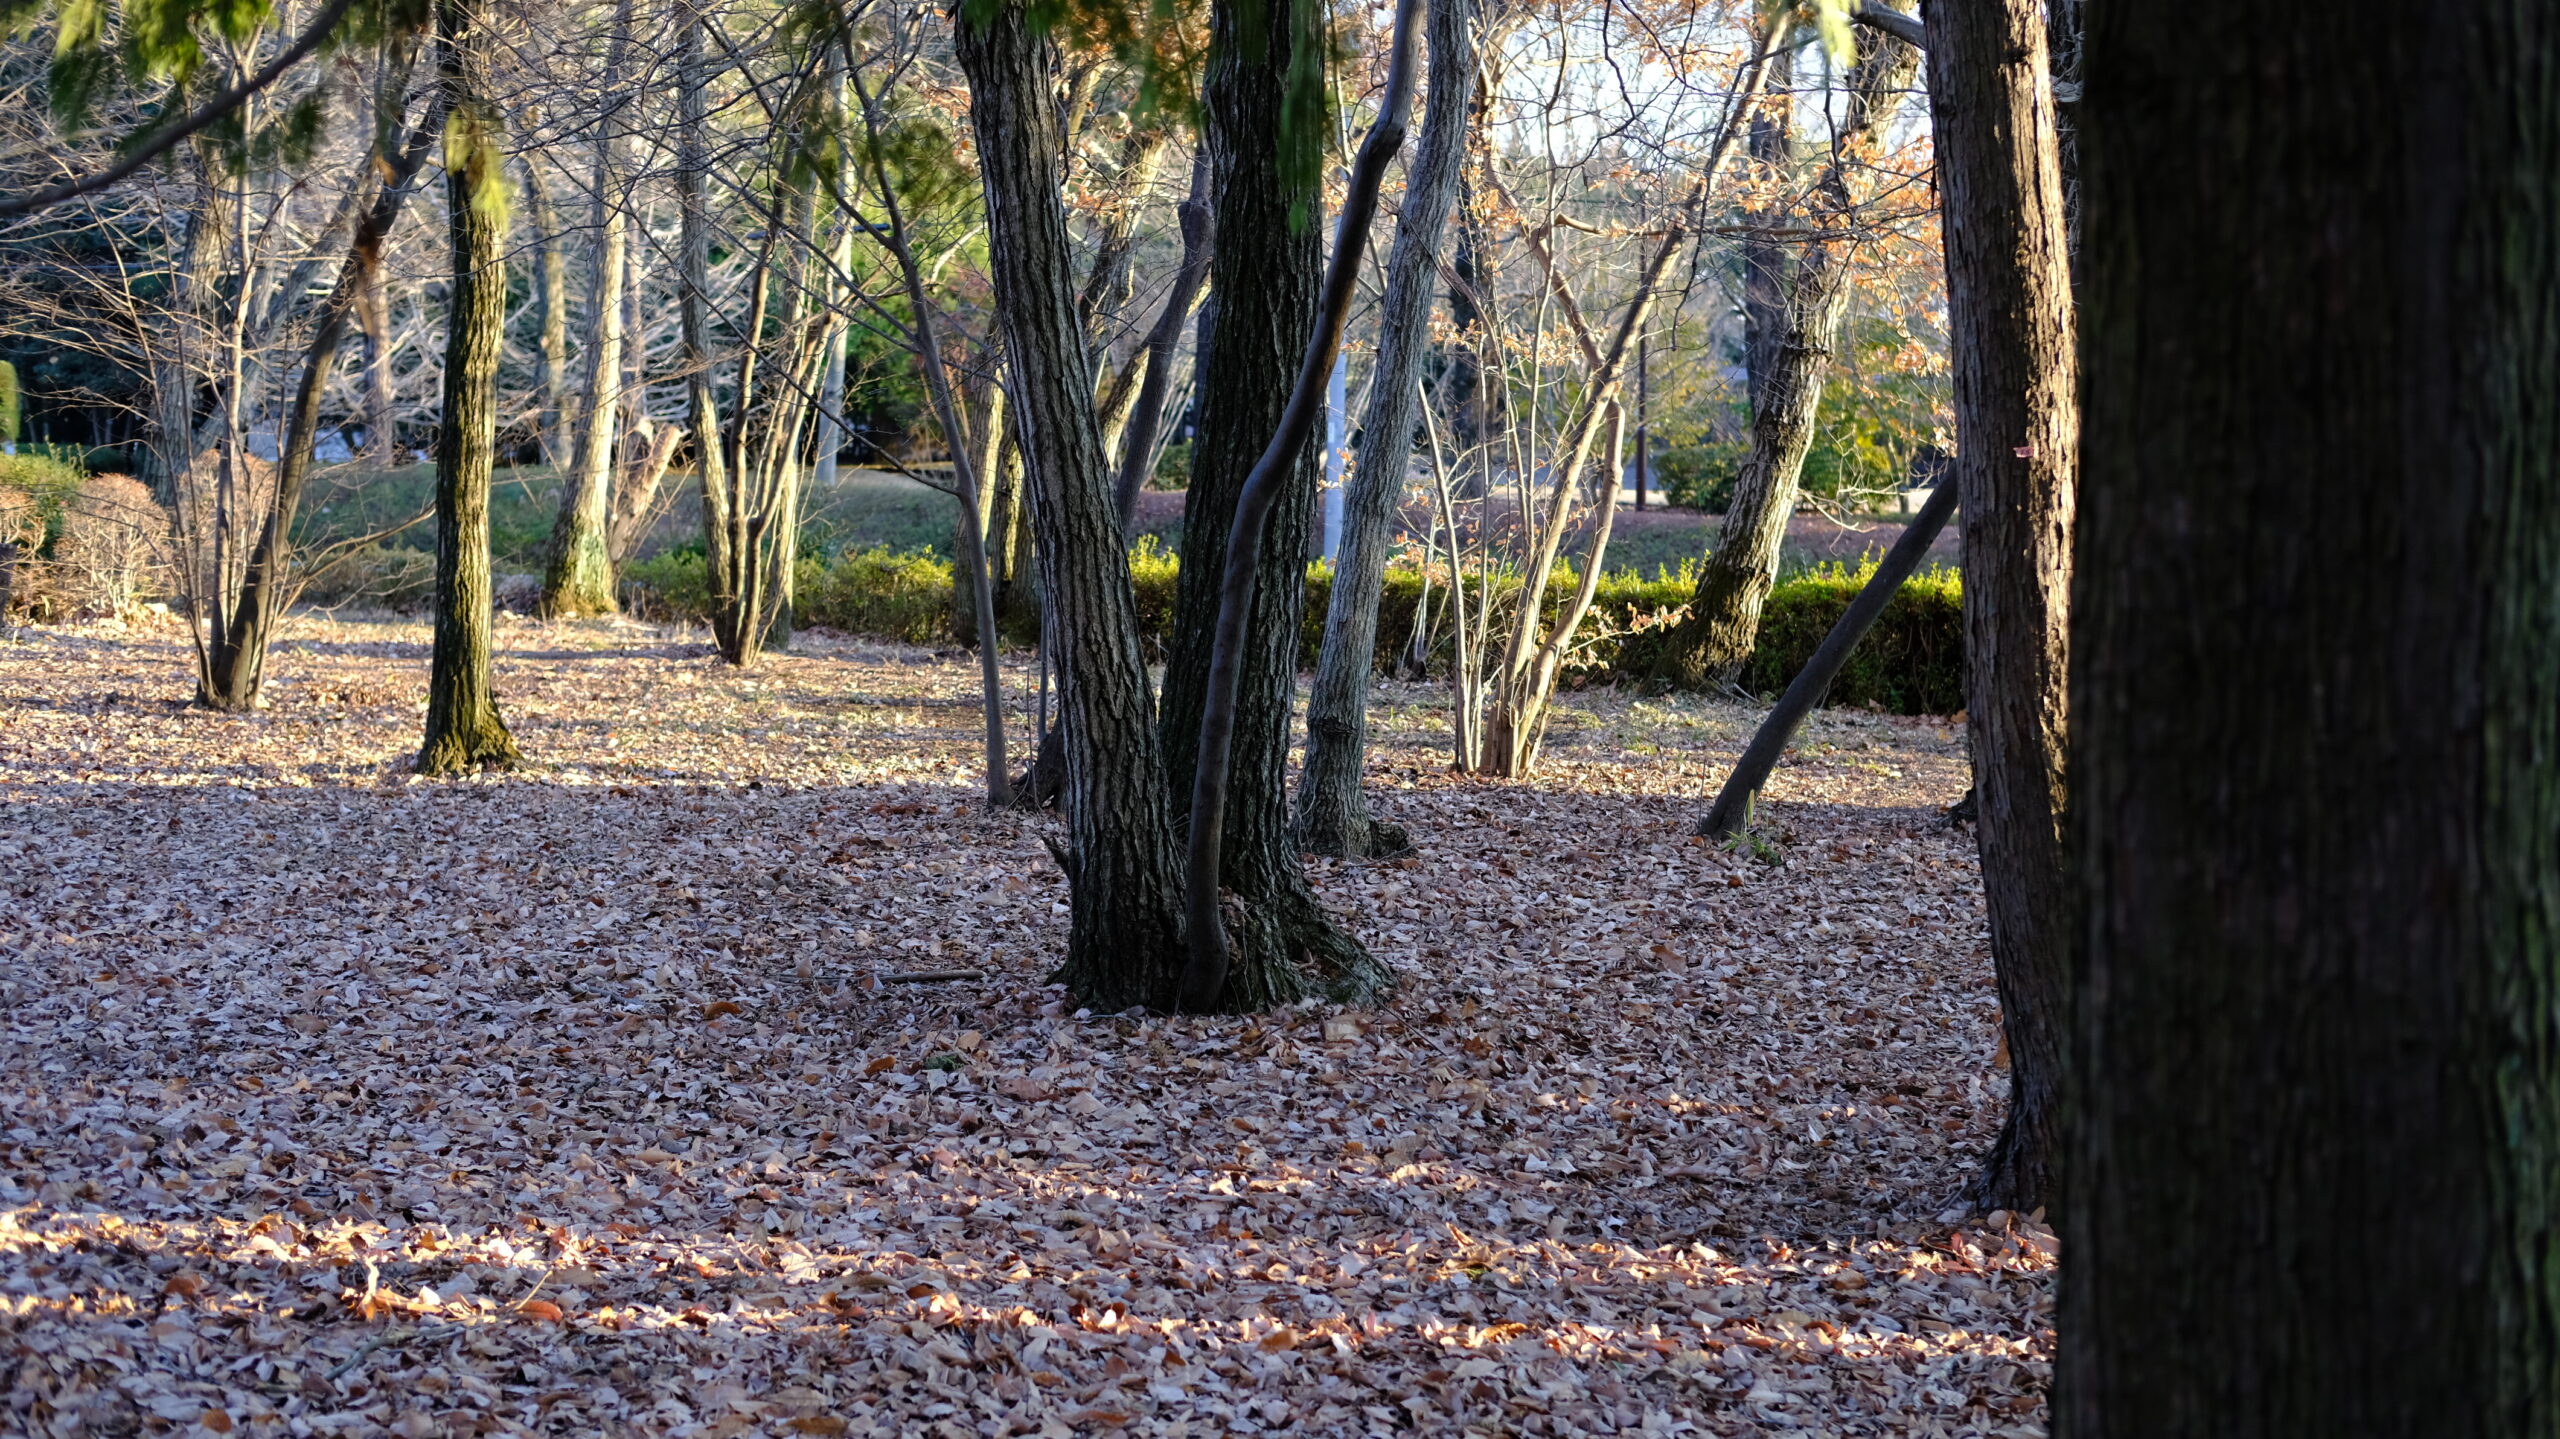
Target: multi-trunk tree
point(2315, 725)
point(1333, 812)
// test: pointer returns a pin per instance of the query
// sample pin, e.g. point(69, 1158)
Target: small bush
point(1912, 662)
point(113, 549)
point(903, 597)
point(376, 576)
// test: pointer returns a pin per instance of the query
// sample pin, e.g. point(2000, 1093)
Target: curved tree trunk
point(2315, 726)
point(463, 728)
point(578, 579)
point(1124, 936)
point(1709, 647)
point(1333, 813)
point(2017, 453)
point(1266, 267)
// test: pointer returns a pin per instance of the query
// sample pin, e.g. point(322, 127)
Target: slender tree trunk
point(1709, 647)
point(1124, 935)
point(720, 522)
point(2315, 726)
point(373, 315)
point(463, 728)
point(551, 282)
point(2017, 455)
point(1267, 271)
point(578, 579)
point(1476, 392)
point(1138, 440)
point(186, 341)
point(1333, 813)
point(236, 662)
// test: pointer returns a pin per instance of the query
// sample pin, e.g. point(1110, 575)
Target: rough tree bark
point(577, 579)
point(1124, 876)
point(1768, 266)
point(464, 730)
point(2315, 725)
point(1708, 648)
point(1267, 271)
point(1333, 812)
point(2017, 454)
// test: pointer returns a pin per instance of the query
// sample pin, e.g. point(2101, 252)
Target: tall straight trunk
point(2017, 457)
point(1124, 877)
point(235, 669)
point(373, 316)
point(464, 730)
point(1768, 264)
point(551, 285)
point(1266, 269)
point(1333, 813)
point(2315, 726)
point(720, 522)
point(577, 580)
point(1708, 648)
point(1476, 391)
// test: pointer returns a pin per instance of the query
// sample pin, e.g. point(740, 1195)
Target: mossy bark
point(464, 730)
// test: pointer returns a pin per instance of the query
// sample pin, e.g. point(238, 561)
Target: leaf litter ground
point(591, 1099)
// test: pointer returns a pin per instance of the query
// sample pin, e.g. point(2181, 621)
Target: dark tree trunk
point(2017, 453)
point(1474, 389)
point(1333, 813)
point(2315, 726)
point(463, 727)
point(1124, 939)
point(551, 283)
point(1708, 648)
point(1768, 265)
point(1266, 268)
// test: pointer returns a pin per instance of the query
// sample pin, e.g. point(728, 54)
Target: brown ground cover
point(589, 1099)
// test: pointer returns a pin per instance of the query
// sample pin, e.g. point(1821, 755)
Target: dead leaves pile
point(580, 1101)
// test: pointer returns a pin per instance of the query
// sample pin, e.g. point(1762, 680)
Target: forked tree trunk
point(1333, 812)
point(1267, 269)
point(577, 579)
point(2017, 452)
point(1709, 647)
point(464, 730)
point(720, 522)
point(1124, 934)
point(2315, 726)
point(235, 668)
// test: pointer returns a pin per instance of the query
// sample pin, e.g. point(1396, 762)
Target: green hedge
point(1912, 662)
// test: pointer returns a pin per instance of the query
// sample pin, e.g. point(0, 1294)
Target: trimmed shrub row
point(1912, 662)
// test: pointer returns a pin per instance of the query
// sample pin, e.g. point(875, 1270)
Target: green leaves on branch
point(166, 56)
